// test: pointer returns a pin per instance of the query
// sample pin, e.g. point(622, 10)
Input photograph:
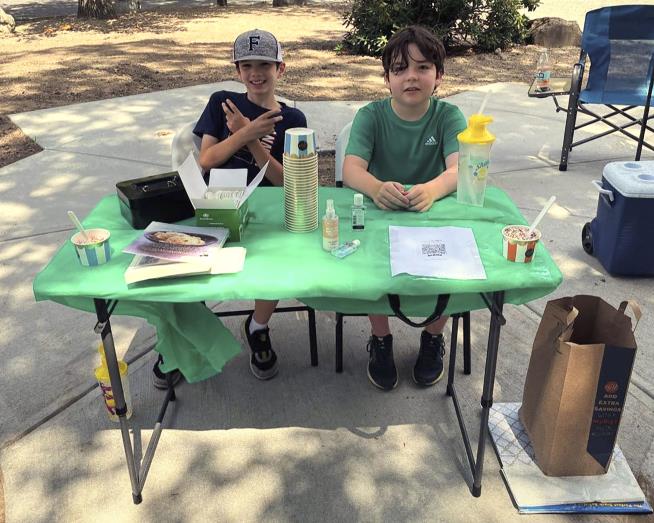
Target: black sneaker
point(263, 361)
point(429, 365)
point(159, 377)
point(381, 367)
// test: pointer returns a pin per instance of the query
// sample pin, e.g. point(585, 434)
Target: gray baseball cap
point(256, 45)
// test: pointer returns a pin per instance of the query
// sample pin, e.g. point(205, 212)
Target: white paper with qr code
point(440, 252)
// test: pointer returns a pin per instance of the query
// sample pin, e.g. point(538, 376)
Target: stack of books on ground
point(616, 492)
point(165, 250)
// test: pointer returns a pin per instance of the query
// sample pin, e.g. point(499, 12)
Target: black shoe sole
point(162, 383)
point(378, 385)
point(263, 377)
point(258, 373)
point(428, 384)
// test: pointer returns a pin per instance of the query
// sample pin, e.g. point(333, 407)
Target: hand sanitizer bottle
point(346, 249)
point(358, 213)
point(330, 227)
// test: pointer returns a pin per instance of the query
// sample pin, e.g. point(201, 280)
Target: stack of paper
point(165, 250)
point(615, 492)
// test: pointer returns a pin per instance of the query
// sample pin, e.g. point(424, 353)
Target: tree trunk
point(96, 9)
point(284, 3)
point(134, 5)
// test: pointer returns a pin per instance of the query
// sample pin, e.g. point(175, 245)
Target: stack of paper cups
point(300, 180)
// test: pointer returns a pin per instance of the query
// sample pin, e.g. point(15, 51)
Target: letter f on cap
point(254, 40)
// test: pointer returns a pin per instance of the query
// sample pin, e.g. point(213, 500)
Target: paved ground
point(310, 445)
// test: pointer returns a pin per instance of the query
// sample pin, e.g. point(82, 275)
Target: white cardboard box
point(228, 180)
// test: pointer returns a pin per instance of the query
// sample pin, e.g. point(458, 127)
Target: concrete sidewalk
point(310, 445)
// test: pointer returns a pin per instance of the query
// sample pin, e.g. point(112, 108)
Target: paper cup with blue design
point(94, 250)
point(300, 142)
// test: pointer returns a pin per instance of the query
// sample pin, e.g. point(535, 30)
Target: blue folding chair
point(619, 41)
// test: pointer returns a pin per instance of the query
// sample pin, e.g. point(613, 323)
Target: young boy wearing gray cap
point(246, 130)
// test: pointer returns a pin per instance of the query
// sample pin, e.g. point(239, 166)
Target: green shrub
point(485, 24)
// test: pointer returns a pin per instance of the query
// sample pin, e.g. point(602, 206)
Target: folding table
point(284, 265)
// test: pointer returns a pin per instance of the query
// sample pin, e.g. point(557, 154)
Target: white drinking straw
point(483, 103)
point(78, 224)
point(540, 216)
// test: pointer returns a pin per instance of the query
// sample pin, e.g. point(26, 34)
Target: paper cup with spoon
point(519, 241)
point(91, 245)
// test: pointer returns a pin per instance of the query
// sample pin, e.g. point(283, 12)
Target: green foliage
point(486, 24)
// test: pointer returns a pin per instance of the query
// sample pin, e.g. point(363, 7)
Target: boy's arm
point(423, 195)
point(214, 153)
point(262, 155)
point(385, 195)
point(235, 122)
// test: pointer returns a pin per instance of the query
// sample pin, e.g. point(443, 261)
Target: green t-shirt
point(401, 151)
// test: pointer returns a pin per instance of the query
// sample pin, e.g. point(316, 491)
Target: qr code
point(433, 249)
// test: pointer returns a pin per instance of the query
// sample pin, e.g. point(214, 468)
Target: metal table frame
point(139, 472)
point(495, 304)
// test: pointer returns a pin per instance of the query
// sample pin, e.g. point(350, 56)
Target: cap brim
point(257, 57)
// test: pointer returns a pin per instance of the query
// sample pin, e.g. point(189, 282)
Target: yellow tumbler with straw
point(102, 375)
point(474, 158)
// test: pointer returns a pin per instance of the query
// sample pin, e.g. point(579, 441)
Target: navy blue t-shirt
point(213, 122)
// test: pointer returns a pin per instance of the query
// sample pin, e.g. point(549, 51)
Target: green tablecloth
point(284, 265)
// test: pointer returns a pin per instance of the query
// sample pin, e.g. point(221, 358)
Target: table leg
point(467, 365)
point(118, 393)
point(339, 342)
point(476, 463)
point(137, 477)
point(489, 384)
point(453, 343)
point(313, 342)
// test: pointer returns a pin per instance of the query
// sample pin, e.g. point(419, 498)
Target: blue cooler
point(620, 236)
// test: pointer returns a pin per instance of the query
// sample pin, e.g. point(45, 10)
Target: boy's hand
point(257, 128)
point(391, 196)
point(420, 198)
point(264, 124)
point(235, 119)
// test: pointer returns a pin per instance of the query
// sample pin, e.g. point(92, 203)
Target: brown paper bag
point(577, 384)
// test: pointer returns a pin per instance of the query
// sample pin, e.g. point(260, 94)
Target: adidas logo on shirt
point(431, 141)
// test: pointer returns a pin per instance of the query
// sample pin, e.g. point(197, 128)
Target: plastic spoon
point(78, 224)
point(541, 215)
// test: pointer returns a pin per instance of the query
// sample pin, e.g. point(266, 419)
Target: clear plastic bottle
point(358, 213)
point(543, 71)
point(346, 249)
point(330, 227)
point(474, 160)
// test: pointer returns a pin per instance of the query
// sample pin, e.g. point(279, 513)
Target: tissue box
point(223, 202)
point(233, 219)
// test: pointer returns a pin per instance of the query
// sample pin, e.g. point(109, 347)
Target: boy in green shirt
point(409, 138)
